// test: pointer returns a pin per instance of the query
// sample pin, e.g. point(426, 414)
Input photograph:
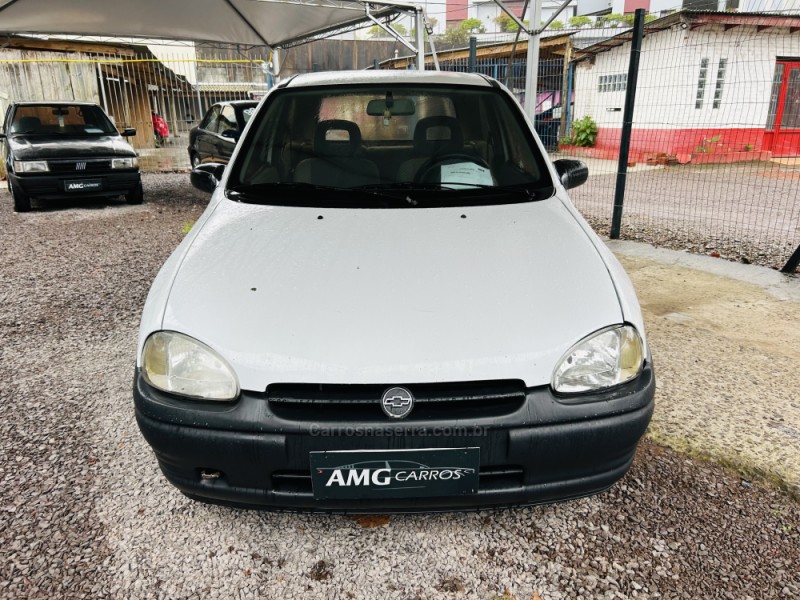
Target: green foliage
point(615, 19)
point(456, 36)
point(707, 147)
point(557, 25)
point(504, 22)
point(377, 32)
point(507, 24)
point(584, 132)
point(472, 26)
point(579, 21)
point(187, 227)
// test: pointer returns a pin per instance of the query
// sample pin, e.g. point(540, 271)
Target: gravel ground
point(84, 511)
point(748, 212)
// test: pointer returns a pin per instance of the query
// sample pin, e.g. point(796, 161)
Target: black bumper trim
point(51, 187)
point(564, 451)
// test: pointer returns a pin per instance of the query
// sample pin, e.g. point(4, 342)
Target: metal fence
point(162, 92)
point(511, 71)
point(714, 164)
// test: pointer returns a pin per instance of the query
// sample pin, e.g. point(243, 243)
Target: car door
point(207, 135)
point(227, 134)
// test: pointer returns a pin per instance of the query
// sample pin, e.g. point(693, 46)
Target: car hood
point(37, 147)
point(289, 294)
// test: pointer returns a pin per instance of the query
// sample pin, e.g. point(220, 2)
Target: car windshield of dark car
point(61, 119)
point(436, 143)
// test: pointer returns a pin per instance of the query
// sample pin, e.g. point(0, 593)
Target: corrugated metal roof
point(693, 19)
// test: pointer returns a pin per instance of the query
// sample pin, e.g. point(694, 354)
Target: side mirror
point(206, 177)
point(128, 132)
point(571, 172)
point(231, 134)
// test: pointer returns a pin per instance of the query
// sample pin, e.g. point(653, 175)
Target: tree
point(557, 25)
point(456, 36)
point(507, 24)
point(432, 22)
point(379, 32)
point(579, 21)
point(472, 26)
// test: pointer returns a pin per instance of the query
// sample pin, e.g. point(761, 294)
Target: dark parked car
point(59, 150)
point(547, 126)
point(216, 136)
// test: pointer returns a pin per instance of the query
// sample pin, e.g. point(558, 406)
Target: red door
point(783, 122)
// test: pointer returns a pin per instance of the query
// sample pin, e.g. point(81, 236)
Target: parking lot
point(85, 512)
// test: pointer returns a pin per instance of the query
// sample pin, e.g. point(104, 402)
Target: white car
point(391, 304)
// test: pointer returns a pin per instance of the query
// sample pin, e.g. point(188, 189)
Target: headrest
point(336, 137)
point(438, 135)
point(27, 124)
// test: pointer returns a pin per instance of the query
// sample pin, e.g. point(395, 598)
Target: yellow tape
point(124, 60)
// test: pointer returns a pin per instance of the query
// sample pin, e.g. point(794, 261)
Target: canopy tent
point(274, 23)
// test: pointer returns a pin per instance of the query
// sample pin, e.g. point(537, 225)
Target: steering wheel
point(434, 162)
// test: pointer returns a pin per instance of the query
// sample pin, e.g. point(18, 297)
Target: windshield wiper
point(449, 187)
point(259, 193)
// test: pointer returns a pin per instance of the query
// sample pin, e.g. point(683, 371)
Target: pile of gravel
point(84, 511)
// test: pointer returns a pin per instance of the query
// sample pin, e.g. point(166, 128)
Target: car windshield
point(61, 119)
point(366, 145)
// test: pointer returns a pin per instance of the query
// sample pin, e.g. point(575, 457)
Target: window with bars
point(701, 83)
point(612, 83)
point(723, 62)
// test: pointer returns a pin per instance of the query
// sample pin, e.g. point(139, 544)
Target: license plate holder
point(376, 474)
point(78, 186)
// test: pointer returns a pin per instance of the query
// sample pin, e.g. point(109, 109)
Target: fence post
point(792, 263)
point(473, 54)
point(627, 121)
point(565, 94)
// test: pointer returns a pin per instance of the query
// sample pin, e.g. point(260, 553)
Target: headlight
point(130, 162)
point(604, 359)
point(176, 363)
point(30, 166)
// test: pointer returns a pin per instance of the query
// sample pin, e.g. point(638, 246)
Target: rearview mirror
point(571, 172)
point(128, 132)
point(401, 107)
point(206, 177)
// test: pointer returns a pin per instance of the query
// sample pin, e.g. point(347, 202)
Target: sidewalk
point(726, 349)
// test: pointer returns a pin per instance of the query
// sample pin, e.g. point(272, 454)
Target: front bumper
point(52, 186)
point(543, 450)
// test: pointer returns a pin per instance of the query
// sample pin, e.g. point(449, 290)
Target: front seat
point(336, 143)
point(433, 136)
point(27, 125)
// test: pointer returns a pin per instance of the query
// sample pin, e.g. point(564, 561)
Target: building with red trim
point(712, 87)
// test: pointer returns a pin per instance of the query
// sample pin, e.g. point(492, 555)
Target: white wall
point(668, 78)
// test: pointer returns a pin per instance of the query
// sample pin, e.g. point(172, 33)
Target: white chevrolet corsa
point(391, 304)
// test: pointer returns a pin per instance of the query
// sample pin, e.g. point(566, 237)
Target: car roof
point(237, 102)
point(386, 76)
point(55, 103)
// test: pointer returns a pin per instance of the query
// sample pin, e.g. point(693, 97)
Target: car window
point(247, 112)
point(352, 108)
point(227, 119)
point(61, 119)
point(437, 137)
point(210, 120)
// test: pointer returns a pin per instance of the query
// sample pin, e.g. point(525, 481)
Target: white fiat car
point(391, 304)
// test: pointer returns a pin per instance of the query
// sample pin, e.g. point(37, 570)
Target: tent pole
point(419, 15)
point(532, 67)
point(102, 87)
